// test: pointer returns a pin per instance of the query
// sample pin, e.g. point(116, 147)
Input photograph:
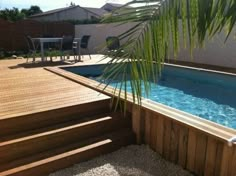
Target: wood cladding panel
point(218, 161)
point(183, 146)
point(233, 164)
point(174, 142)
point(200, 155)
point(167, 138)
point(148, 127)
point(153, 131)
point(160, 134)
point(226, 160)
point(192, 141)
point(211, 156)
point(192, 149)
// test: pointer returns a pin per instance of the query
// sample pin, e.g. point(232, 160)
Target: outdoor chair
point(32, 47)
point(68, 46)
point(84, 43)
point(76, 49)
point(113, 43)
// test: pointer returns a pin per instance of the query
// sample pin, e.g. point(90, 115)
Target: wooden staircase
point(45, 142)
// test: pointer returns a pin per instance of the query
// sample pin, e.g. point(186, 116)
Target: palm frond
point(157, 34)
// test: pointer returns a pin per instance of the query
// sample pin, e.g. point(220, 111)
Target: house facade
point(70, 13)
point(111, 6)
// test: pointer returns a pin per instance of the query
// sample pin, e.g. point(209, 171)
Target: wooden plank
point(192, 142)
point(21, 83)
point(174, 142)
point(49, 140)
point(153, 136)
point(44, 85)
point(183, 146)
point(233, 163)
point(219, 154)
point(18, 109)
point(211, 154)
point(55, 96)
point(42, 119)
point(136, 122)
point(160, 134)
point(55, 100)
point(200, 157)
point(167, 138)
point(37, 90)
point(84, 151)
point(35, 96)
point(148, 122)
point(226, 162)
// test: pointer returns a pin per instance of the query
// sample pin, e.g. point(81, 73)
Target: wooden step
point(86, 150)
point(60, 125)
point(13, 125)
point(36, 143)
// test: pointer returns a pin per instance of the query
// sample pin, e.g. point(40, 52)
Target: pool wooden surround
point(51, 119)
point(196, 144)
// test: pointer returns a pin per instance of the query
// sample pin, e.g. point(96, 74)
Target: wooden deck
point(48, 122)
point(29, 88)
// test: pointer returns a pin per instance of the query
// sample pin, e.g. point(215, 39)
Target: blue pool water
point(211, 96)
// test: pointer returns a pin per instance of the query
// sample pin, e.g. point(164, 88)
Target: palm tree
point(156, 34)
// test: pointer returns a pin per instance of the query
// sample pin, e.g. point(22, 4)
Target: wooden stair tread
point(26, 122)
point(54, 129)
point(124, 135)
point(30, 145)
point(74, 120)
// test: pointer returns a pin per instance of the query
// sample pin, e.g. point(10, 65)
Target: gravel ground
point(133, 160)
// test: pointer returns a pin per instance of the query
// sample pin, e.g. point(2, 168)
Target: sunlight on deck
point(29, 88)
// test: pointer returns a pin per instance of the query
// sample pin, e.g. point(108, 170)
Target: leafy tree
point(15, 14)
point(11, 14)
point(157, 34)
point(31, 11)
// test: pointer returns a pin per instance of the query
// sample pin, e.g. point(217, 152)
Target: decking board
point(33, 90)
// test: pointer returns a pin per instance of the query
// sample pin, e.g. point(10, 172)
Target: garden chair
point(68, 46)
point(76, 49)
point(32, 48)
point(113, 43)
point(84, 43)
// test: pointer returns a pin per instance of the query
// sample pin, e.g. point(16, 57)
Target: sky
point(53, 4)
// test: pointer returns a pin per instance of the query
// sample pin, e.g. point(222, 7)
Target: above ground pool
point(207, 94)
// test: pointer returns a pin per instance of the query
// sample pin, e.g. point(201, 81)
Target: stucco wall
point(215, 52)
point(99, 33)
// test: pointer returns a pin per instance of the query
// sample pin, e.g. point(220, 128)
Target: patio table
point(46, 40)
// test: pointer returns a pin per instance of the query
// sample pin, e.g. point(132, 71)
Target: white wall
point(214, 53)
point(99, 33)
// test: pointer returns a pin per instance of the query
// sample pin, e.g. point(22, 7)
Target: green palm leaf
point(157, 35)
